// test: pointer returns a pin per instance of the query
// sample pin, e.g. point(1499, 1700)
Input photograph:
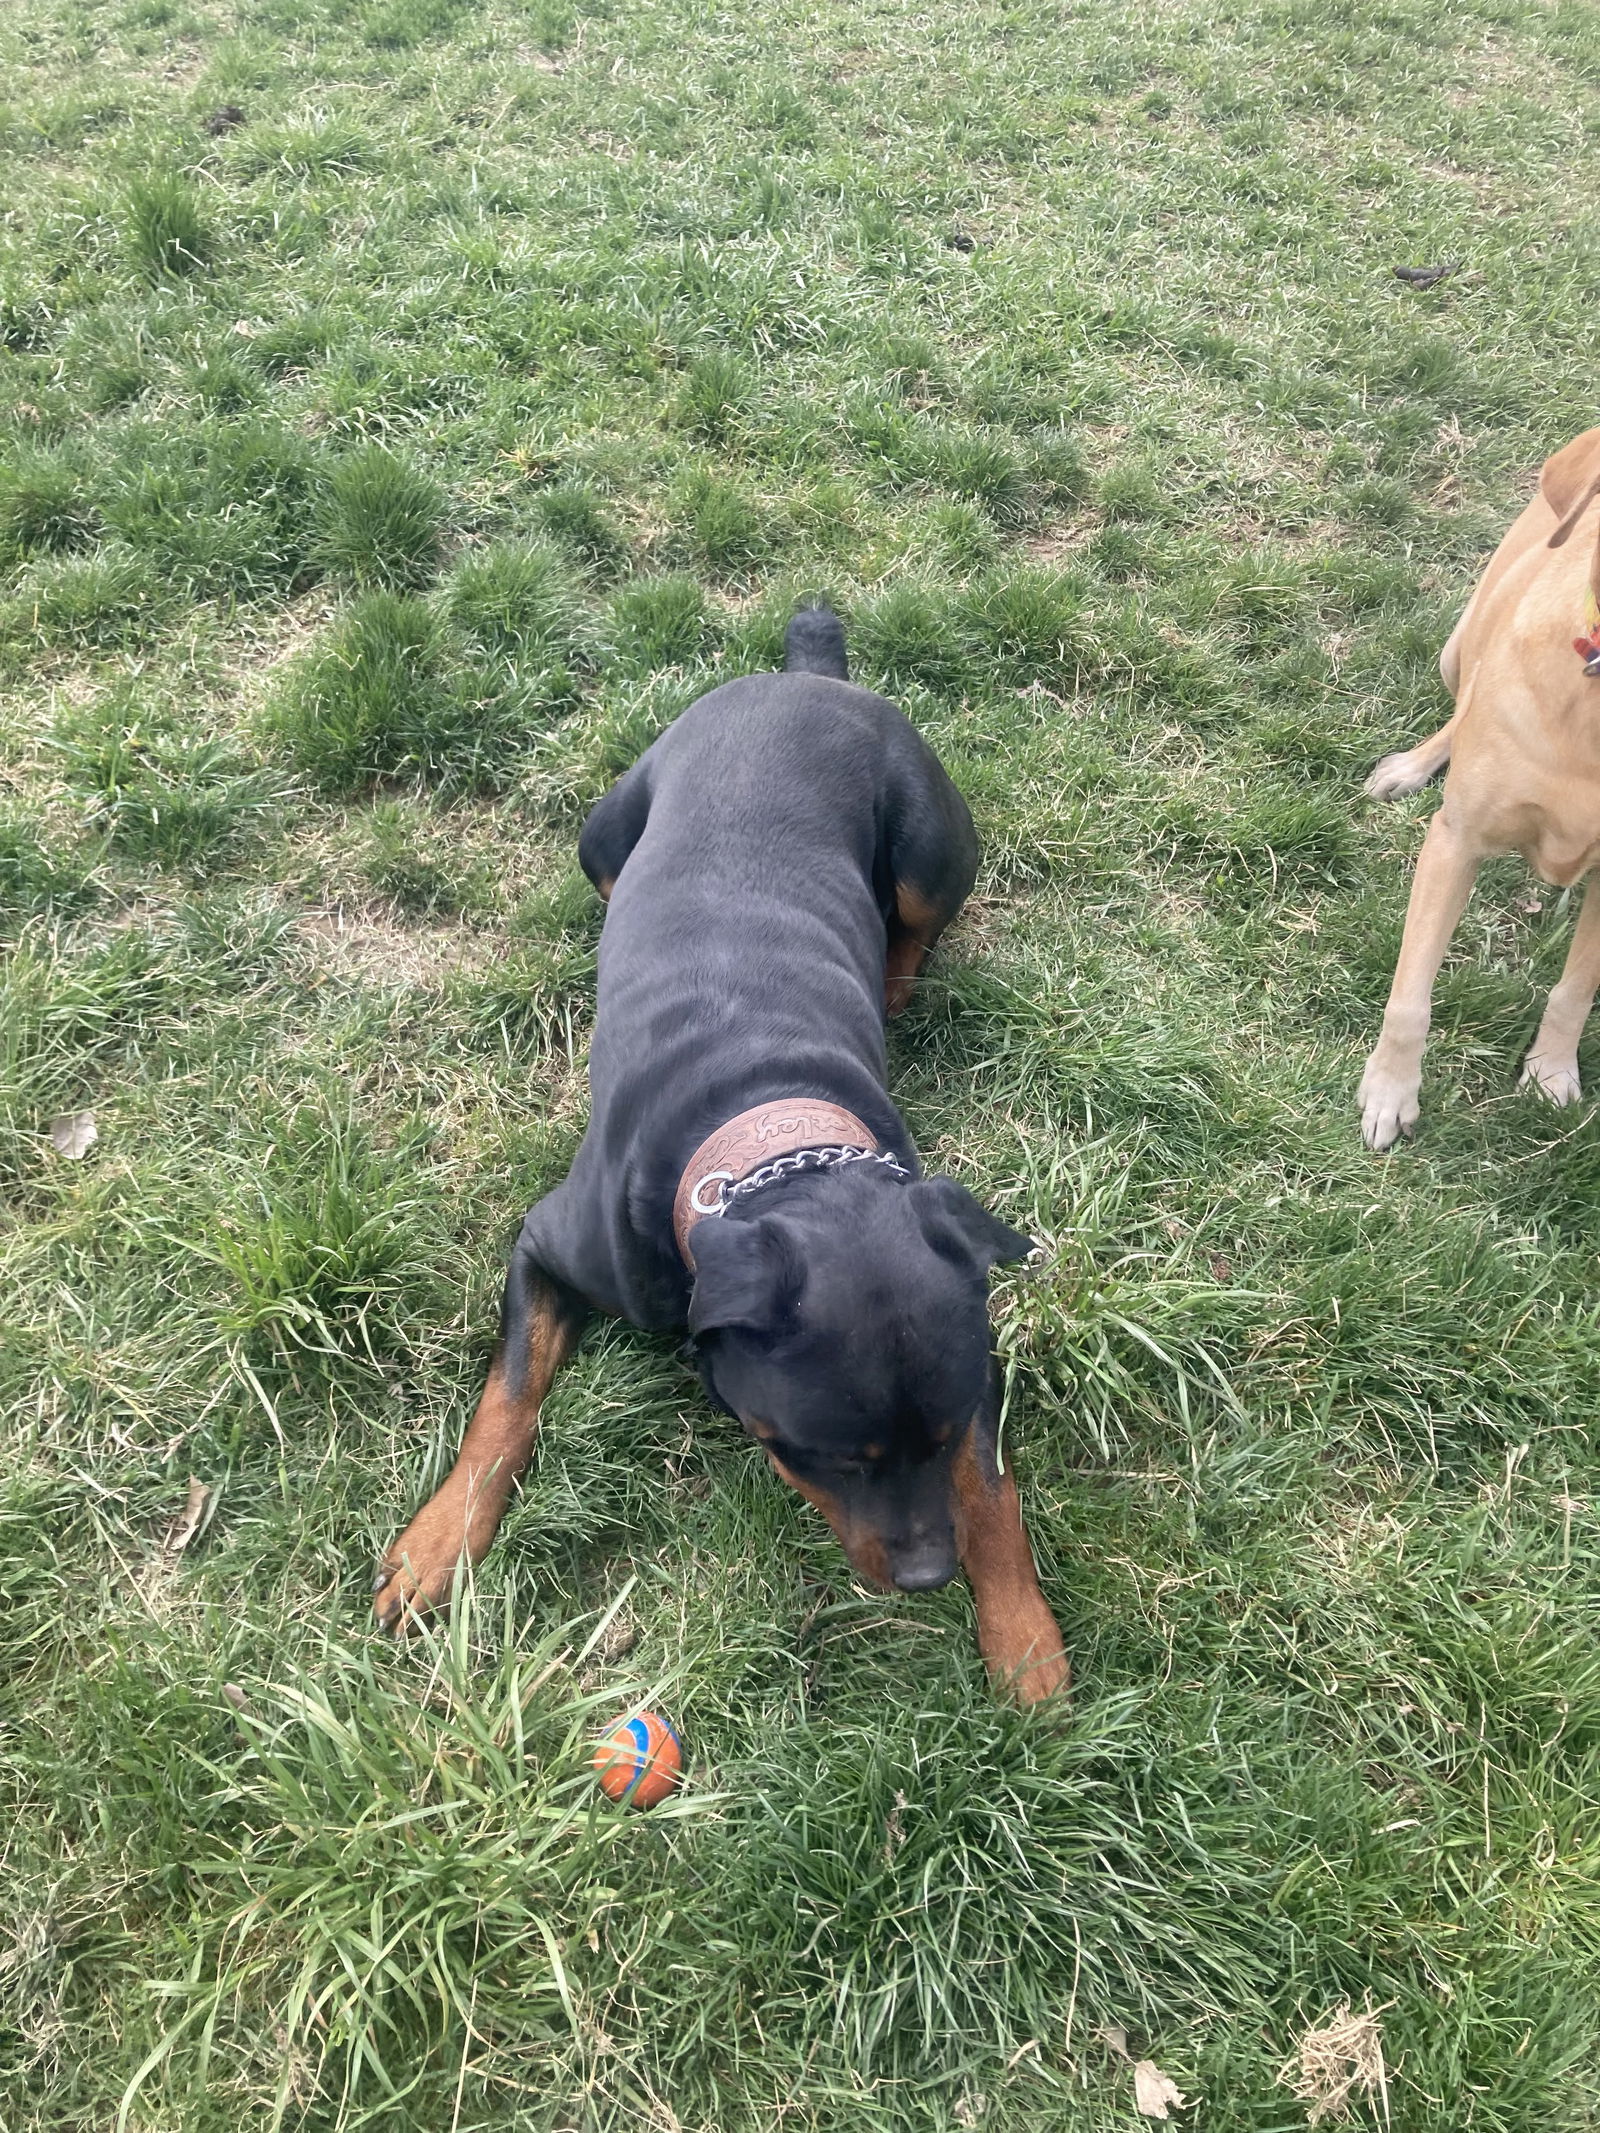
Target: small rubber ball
point(640, 1761)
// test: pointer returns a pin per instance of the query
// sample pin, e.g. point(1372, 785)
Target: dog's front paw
point(1037, 1679)
point(1389, 1106)
point(1025, 1656)
point(1553, 1077)
point(1397, 776)
point(419, 1570)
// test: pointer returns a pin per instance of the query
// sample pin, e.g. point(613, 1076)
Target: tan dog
point(1524, 756)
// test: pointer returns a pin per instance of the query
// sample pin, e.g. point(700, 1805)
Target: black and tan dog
point(777, 866)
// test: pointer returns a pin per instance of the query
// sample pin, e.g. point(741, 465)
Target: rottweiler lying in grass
point(776, 868)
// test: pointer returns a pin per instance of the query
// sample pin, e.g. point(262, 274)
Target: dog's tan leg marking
point(1411, 768)
point(915, 927)
point(1552, 1063)
point(1017, 1633)
point(460, 1518)
point(1445, 872)
point(901, 970)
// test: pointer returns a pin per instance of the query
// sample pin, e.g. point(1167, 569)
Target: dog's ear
point(1569, 481)
point(746, 1274)
point(958, 1228)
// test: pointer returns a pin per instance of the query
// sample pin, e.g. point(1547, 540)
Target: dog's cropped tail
point(814, 644)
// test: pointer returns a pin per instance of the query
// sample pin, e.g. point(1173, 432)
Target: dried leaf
point(1115, 2039)
point(73, 1134)
point(1153, 2090)
point(184, 1529)
point(236, 1696)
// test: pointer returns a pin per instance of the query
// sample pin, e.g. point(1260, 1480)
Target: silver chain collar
point(730, 1190)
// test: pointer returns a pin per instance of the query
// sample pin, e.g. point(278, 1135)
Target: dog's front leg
point(1017, 1633)
point(1552, 1063)
point(541, 1321)
point(1399, 775)
point(1445, 872)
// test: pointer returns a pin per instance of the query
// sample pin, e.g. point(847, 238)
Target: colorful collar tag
point(1587, 646)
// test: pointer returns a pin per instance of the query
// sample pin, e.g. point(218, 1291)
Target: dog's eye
point(773, 1445)
point(867, 1467)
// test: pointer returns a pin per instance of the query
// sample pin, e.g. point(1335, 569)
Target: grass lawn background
point(379, 473)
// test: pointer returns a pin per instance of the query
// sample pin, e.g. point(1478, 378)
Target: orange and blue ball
point(640, 1761)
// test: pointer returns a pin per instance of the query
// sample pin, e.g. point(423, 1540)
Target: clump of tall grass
point(381, 522)
point(371, 700)
point(168, 233)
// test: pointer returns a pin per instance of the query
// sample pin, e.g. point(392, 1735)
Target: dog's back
point(747, 840)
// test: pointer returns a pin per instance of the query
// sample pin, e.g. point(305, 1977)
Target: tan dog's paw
point(1038, 1679)
point(1389, 1107)
point(400, 1600)
point(1026, 1661)
point(417, 1573)
point(1554, 1078)
point(1398, 775)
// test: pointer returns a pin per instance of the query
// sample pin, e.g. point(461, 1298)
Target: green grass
point(381, 521)
point(378, 475)
point(167, 232)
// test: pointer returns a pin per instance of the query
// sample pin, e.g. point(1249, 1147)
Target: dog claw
point(1383, 1124)
point(398, 1609)
point(1381, 1134)
point(1389, 1107)
point(395, 1606)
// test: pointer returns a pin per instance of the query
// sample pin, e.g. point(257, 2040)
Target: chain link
point(783, 1166)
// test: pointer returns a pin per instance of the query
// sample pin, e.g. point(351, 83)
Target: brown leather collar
point(753, 1138)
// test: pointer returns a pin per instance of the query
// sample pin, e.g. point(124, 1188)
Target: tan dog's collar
point(758, 1137)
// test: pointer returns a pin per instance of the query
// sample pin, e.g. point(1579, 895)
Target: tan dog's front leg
point(1552, 1063)
point(1446, 869)
point(540, 1324)
point(1398, 775)
point(1017, 1633)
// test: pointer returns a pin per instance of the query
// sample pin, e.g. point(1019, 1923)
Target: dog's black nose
point(924, 1571)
